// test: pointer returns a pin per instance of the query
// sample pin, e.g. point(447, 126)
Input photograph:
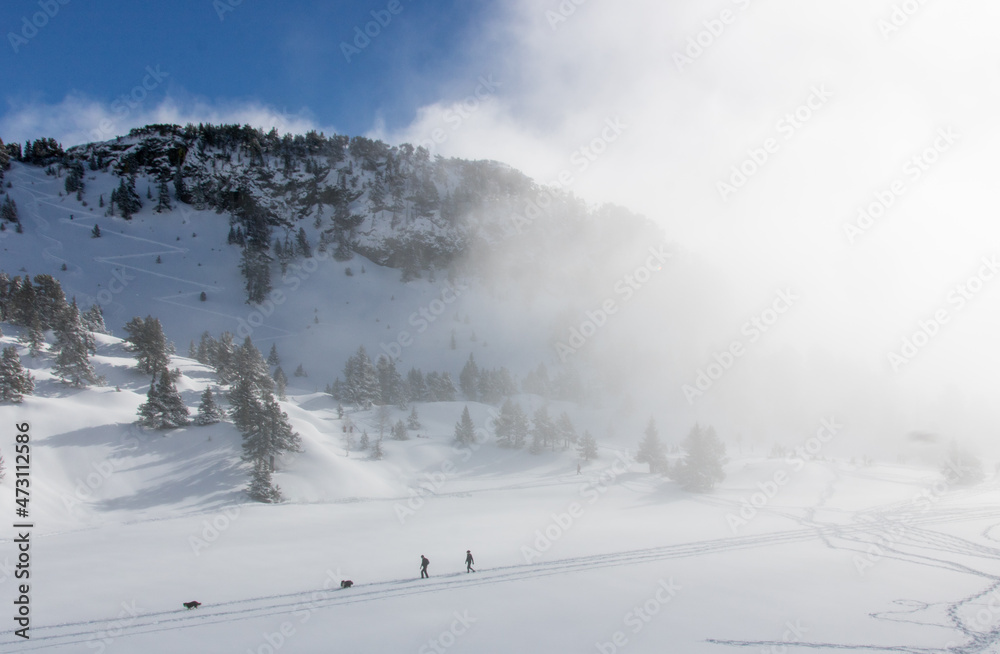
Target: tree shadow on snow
point(176, 467)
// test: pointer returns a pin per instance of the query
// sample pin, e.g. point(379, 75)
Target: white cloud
point(78, 119)
point(686, 130)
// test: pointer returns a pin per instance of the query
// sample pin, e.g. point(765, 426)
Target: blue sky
point(286, 56)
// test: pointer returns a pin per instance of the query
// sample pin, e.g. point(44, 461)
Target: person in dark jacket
point(469, 561)
point(423, 567)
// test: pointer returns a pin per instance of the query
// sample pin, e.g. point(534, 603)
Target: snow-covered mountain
point(457, 258)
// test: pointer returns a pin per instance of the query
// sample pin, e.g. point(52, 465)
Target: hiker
point(469, 561)
point(423, 567)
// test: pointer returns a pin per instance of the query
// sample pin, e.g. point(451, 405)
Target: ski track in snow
point(913, 541)
point(860, 533)
point(54, 251)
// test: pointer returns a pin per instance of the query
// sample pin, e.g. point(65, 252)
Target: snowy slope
point(130, 523)
point(827, 554)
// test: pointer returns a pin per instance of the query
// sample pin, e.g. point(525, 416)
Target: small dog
point(347, 583)
point(192, 605)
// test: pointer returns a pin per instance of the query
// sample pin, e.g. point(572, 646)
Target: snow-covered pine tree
point(440, 387)
point(468, 379)
point(146, 339)
point(261, 487)
point(33, 337)
point(511, 425)
point(164, 408)
point(542, 430)
point(255, 412)
point(365, 442)
point(399, 431)
point(465, 430)
point(587, 447)
point(126, 198)
point(93, 320)
point(50, 301)
point(701, 468)
point(651, 450)
point(390, 382)
point(73, 346)
point(413, 422)
point(416, 386)
point(256, 268)
point(209, 412)
point(377, 452)
point(15, 381)
point(565, 431)
point(361, 386)
point(300, 371)
point(272, 358)
point(251, 383)
point(302, 246)
point(162, 197)
point(961, 467)
point(280, 383)
point(8, 210)
point(206, 346)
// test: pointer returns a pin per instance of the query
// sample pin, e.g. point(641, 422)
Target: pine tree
point(209, 412)
point(651, 450)
point(223, 357)
point(365, 442)
point(50, 301)
point(377, 453)
point(15, 381)
point(587, 447)
point(361, 386)
point(272, 358)
point(302, 243)
point(390, 382)
point(468, 379)
point(399, 431)
point(33, 337)
point(205, 346)
point(126, 198)
point(73, 345)
point(961, 467)
point(280, 383)
point(261, 488)
point(164, 408)
point(465, 430)
point(413, 422)
point(417, 388)
point(23, 304)
point(542, 430)
point(146, 339)
point(257, 415)
point(8, 210)
point(251, 383)
point(565, 431)
point(511, 425)
point(96, 232)
point(701, 468)
point(163, 197)
point(256, 269)
point(300, 371)
point(93, 320)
